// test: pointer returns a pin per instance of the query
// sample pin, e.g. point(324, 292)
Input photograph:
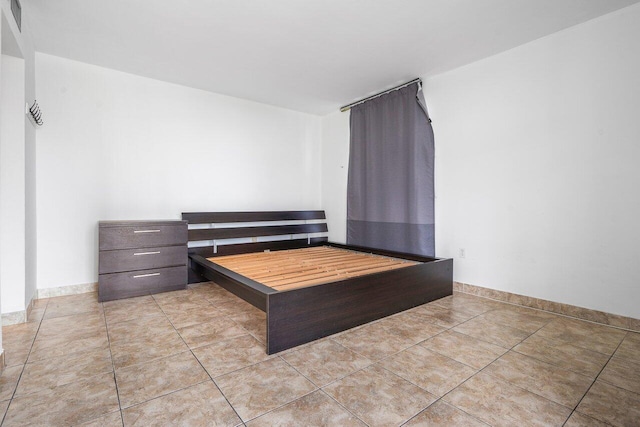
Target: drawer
point(141, 259)
point(143, 282)
point(141, 236)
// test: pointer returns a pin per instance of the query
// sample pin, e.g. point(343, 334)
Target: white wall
point(21, 234)
point(1, 25)
point(537, 173)
point(12, 195)
point(119, 146)
point(31, 239)
point(537, 166)
point(335, 167)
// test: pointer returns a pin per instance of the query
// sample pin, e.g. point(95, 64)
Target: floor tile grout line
point(482, 370)
point(413, 383)
point(374, 362)
point(550, 312)
point(281, 406)
point(553, 342)
point(460, 385)
point(487, 365)
point(333, 338)
point(202, 366)
point(239, 369)
point(588, 416)
point(171, 355)
point(439, 398)
point(465, 364)
point(598, 376)
point(299, 373)
point(282, 358)
point(212, 304)
point(24, 365)
point(500, 324)
point(551, 363)
point(226, 339)
point(163, 395)
point(416, 385)
point(339, 378)
point(113, 366)
point(554, 364)
point(512, 349)
point(377, 362)
point(221, 392)
point(522, 388)
point(344, 407)
point(244, 367)
point(156, 397)
point(199, 362)
point(620, 387)
point(450, 404)
point(321, 389)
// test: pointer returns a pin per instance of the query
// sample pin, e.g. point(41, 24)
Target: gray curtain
point(390, 190)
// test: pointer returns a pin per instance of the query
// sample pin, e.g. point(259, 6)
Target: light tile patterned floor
point(197, 358)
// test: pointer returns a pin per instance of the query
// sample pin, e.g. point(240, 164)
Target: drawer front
point(142, 236)
point(142, 259)
point(143, 282)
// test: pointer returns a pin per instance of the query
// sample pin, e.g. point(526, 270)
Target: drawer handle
point(146, 275)
point(147, 253)
point(146, 231)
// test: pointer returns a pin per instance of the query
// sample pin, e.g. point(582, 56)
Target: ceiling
point(305, 55)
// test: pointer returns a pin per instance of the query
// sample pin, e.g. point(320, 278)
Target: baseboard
point(608, 319)
point(14, 317)
point(29, 308)
point(67, 290)
point(22, 316)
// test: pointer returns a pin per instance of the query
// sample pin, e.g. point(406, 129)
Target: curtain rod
point(353, 104)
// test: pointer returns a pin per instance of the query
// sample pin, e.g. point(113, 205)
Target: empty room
point(320, 213)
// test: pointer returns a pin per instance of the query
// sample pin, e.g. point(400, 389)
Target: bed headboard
point(227, 233)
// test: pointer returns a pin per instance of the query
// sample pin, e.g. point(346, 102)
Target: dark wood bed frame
point(298, 316)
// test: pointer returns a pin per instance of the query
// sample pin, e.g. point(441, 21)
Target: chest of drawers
point(141, 257)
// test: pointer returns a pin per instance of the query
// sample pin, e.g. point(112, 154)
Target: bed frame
point(301, 315)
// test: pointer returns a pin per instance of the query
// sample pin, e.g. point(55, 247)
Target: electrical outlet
point(462, 253)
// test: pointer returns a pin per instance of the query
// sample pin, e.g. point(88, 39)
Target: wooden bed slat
point(280, 270)
point(299, 278)
point(277, 269)
point(279, 274)
point(291, 269)
point(295, 270)
point(306, 283)
point(302, 278)
point(275, 261)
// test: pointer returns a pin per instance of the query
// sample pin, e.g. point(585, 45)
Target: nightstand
point(141, 257)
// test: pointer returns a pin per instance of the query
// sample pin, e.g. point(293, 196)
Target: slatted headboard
point(227, 233)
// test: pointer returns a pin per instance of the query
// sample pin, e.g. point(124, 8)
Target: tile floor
point(196, 358)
